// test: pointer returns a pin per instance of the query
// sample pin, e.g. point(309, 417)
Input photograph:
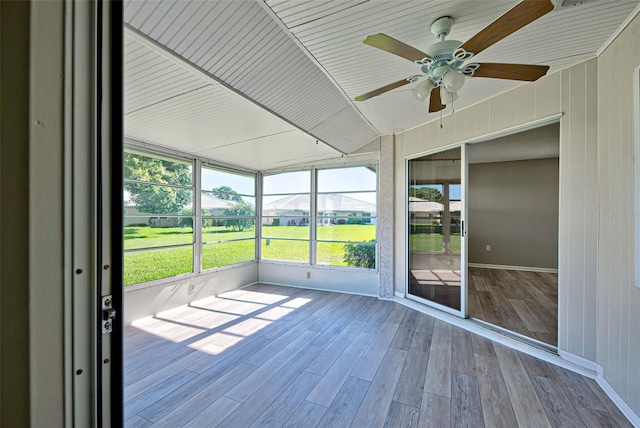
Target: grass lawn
point(432, 243)
point(149, 265)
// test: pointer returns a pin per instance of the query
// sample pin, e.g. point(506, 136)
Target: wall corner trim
point(617, 400)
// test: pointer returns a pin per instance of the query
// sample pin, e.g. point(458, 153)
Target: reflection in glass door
point(435, 231)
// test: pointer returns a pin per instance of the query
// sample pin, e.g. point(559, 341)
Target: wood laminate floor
point(523, 302)
point(267, 356)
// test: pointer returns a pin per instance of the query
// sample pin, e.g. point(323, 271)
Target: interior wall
point(513, 208)
point(572, 92)
point(618, 298)
point(140, 302)
point(344, 280)
point(14, 215)
point(46, 214)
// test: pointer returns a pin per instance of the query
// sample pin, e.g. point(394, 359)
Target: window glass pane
point(426, 192)
point(146, 232)
point(156, 199)
point(285, 227)
point(292, 205)
point(352, 179)
point(157, 169)
point(455, 192)
point(347, 204)
point(227, 253)
point(149, 265)
point(287, 182)
point(213, 205)
point(227, 184)
point(356, 231)
point(216, 230)
point(284, 250)
point(353, 255)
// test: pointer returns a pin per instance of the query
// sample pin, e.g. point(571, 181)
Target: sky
point(360, 179)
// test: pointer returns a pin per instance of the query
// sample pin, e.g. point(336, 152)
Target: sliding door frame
point(462, 313)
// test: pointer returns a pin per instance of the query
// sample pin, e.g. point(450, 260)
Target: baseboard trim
point(587, 364)
point(399, 295)
point(617, 400)
point(507, 267)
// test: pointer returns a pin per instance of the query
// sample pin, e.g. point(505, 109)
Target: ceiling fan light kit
point(443, 63)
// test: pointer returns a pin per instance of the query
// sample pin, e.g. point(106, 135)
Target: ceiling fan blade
point(434, 101)
point(396, 47)
point(382, 90)
point(517, 17)
point(525, 72)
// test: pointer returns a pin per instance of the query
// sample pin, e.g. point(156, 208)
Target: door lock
point(108, 314)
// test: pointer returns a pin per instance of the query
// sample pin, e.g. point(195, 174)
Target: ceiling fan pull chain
point(441, 119)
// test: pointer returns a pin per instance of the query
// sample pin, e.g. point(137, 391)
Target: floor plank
point(411, 383)
point(496, 404)
point(355, 353)
point(346, 404)
point(332, 381)
point(307, 415)
point(465, 401)
point(559, 409)
point(526, 404)
point(520, 301)
point(438, 378)
point(375, 406)
point(435, 411)
point(401, 415)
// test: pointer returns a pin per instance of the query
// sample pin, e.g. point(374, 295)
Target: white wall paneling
point(140, 302)
point(344, 280)
point(618, 300)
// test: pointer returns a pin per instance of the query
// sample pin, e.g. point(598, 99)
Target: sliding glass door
point(436, 250)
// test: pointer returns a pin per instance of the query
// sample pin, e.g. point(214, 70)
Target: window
point(346, 204)
point(158, 217)
point(227, 203)
point(286, 205)
point(434, 217)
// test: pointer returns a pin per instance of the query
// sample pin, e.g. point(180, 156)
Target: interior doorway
point(513, 211)
point(482, 232)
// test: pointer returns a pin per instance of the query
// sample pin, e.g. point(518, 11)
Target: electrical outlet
point(487, 247)
point(191, 289)
point(308, 275)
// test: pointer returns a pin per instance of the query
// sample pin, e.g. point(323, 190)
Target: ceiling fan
point(443, 63)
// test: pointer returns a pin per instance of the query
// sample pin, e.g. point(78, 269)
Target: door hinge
point(108, 314)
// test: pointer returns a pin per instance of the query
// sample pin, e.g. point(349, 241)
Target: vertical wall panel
point(400, 214)
point(385, 216)
point(618, 344)
point(548, 97)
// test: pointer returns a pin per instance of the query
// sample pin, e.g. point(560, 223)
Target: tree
point(360, 255)
point(240, 209)
point(157, 199)
point(226, 193)
point(425, 193)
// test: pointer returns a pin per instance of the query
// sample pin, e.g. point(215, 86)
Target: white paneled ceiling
point(563, 37)
point(304, 60)
point(168, 104)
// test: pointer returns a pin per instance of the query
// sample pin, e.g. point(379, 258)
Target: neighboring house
point(210, 205)
point(332, 209)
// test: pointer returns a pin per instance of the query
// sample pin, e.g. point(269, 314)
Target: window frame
point(145, 149)
point(346, 216)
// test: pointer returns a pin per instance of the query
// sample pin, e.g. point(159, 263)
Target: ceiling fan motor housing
point(441, 27)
